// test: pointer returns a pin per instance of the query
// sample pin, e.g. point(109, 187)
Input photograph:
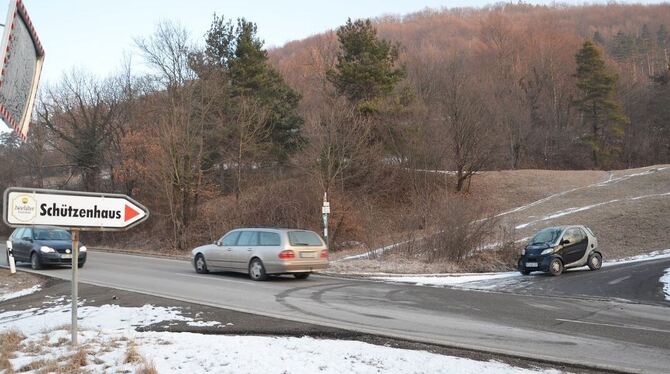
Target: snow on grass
point(651, 256)
point(465, 280)
point(665, 280)
point(109, 342)
point(492, 281)
point(15, 294)
point(569, 211)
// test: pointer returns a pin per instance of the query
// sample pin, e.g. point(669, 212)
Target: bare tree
point(466, 129)
point(176, 113)
point(340, 144)
point(82, 113)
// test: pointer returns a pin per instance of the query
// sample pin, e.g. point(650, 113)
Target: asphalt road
point(633, 282)
point(540, 324)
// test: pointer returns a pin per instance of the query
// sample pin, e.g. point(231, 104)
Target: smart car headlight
point(46, 249)
point(82, 248)
point(548, 251)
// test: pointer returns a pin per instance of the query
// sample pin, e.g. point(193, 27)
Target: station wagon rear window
point(269, 238)
point(304, 238)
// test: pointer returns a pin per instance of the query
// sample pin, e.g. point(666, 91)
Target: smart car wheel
point(595, 261)
point(524, 272)
point(555, 267)
point(257, 270)
point(35, 262)
point(200, 264)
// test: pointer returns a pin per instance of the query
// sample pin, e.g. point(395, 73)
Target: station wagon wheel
point(301, 275)
point(35, 262)
point(595, 261)
point(257, 270)
point(555, 267)
point(200, 264)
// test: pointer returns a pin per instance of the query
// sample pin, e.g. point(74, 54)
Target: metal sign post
point(75, 284)
point(325, 211)
point(77, 211)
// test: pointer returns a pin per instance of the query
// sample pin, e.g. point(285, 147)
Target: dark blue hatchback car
point(44, 246)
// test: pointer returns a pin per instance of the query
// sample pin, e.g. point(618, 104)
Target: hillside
point(628, 210)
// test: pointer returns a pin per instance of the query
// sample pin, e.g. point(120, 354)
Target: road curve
point(598, 333)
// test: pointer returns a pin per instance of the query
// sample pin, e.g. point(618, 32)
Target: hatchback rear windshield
point(51, 234)
point(304, 238)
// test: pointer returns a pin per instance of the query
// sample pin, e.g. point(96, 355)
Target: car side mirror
point(565, 241)
point(218, 243)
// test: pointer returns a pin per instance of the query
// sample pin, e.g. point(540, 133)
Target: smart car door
point(575, 245)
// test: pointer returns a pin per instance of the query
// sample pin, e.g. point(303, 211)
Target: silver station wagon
point(261, 252)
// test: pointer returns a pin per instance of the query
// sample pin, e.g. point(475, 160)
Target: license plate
point(307, 254)
point(531, 264)
point(66, 256)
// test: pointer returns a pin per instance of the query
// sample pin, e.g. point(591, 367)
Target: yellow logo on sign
point(24, 208)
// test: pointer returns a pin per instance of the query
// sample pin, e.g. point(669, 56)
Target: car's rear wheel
point(555, 267)
point(257, 270)
point(35, 262)
point(301, 275)
point(200, 264)
point(81, 264)
point(595, 261)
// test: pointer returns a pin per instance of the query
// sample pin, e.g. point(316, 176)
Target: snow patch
point(109, 330)
point(15, 294)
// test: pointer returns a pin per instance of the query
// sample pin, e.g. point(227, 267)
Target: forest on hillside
point(224, 133)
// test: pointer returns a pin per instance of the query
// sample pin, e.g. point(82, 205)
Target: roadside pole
point(75, 284)
point(10, 258)
point(325, 211)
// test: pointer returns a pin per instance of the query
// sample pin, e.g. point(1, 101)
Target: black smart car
point(44, 246)
point(557, 248)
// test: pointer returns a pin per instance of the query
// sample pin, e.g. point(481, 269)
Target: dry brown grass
point(10, 341)
point(78, 359)
point(132, 356)
point(147, 367)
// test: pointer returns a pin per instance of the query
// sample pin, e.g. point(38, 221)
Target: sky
point(94, 35)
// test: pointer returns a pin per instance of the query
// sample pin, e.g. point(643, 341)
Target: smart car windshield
point(548, 235)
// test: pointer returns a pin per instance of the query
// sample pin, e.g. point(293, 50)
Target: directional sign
point(21, 57)
point(71, 209)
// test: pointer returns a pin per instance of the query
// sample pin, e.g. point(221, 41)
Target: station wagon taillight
point(324, 253)
point(285, 255)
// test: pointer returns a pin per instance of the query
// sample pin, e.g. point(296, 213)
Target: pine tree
point(623, 46)
point(366, 68)
point(238, 52)
point(597, 103)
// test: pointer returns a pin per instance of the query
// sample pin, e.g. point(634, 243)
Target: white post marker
point(77, 211)
point(10, 258)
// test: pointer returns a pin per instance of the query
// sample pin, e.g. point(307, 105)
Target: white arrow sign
point(71, 209)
